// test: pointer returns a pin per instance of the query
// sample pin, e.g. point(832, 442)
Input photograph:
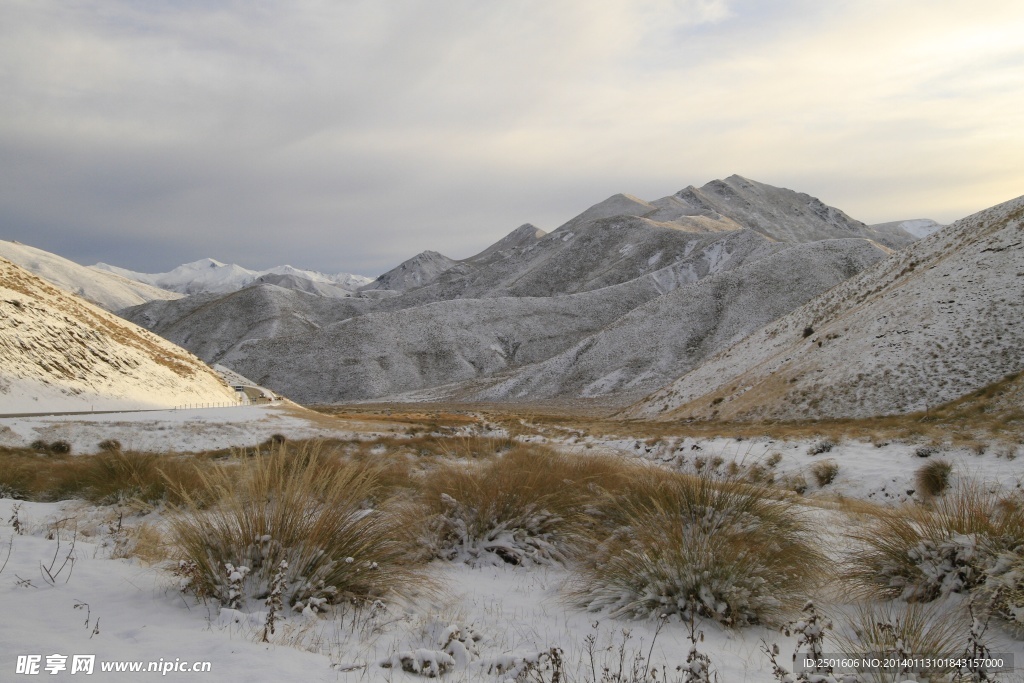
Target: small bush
point(808, 331)
point(524, 507)
point(671, 544)
point(932, 479)
point(795, 483)
point(825, 472)
point(919, 554)
point(302, 508)
point(109, 445)
point(903, 632)
point(60, 447)
point(925, 451)
point(40, 445)
point(823, 446)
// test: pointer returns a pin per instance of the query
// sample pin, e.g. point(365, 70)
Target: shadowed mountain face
point(613, 304)
point(930, 324)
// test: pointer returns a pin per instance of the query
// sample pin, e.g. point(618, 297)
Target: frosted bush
point(481, 535)
point(423, 662)
point(922, 554)
point(1004, 587)
point(724, 550)
point(295, 521)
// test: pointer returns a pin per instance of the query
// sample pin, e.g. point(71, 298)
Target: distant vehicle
point(255, 394)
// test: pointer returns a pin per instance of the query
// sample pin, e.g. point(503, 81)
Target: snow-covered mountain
point(671, 334)
point(933, 322)
point(58, 352)
point(613, 304)
point(104, 289)
point(917, 228)
point(421, 269)
point(211, 276)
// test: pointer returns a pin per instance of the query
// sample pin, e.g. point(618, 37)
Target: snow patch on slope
point(104, 289)
point(59, 352)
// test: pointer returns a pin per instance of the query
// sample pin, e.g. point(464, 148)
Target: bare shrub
point(671, 543)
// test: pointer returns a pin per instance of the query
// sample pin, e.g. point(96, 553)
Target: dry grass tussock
point(902, 631)
point(932, 479)
point(526, 506)
point(920, 553)
point(736, 552)
point(295, 515)
point(108, 477)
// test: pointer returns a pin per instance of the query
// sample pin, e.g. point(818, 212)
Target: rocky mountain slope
point(211, 276)
point(612, 304)
point(421, 269)
point(104, 289)
point(670, 335)
point(59, 352)
point(935, 321)
point(778, 213)
point(284, 339)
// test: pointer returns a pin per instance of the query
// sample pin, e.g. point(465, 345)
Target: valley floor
point(70, 586)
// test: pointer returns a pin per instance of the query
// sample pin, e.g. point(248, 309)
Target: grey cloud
point(349, 136)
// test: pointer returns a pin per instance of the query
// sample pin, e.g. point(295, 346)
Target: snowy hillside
point(662, 339)
point(104, 289)
point(209, 275)
point(211, 326)
point(251, 330)
point(933, 322)
point(58, 352)
point(918, 228)
point(624, 253)
point(421, 269)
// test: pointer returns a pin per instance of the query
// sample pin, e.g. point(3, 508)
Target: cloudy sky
point(348, 135)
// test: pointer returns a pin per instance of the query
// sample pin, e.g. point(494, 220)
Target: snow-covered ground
point(179, 431)
point(122, 610)
point(882, 473)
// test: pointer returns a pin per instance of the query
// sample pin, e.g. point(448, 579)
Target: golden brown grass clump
point(920, 553)
point(526, 506)
point(673, 544)
point(900, 631)
point(294, 514)
point(108, 477)
point(932, 479)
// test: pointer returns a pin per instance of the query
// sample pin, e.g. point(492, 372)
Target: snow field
point(490, 621)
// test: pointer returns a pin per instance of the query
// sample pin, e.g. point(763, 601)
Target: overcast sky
point(348, 135)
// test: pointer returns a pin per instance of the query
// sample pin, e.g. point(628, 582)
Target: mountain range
point(612, 305)
point(211, 276)
point(735, 300)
